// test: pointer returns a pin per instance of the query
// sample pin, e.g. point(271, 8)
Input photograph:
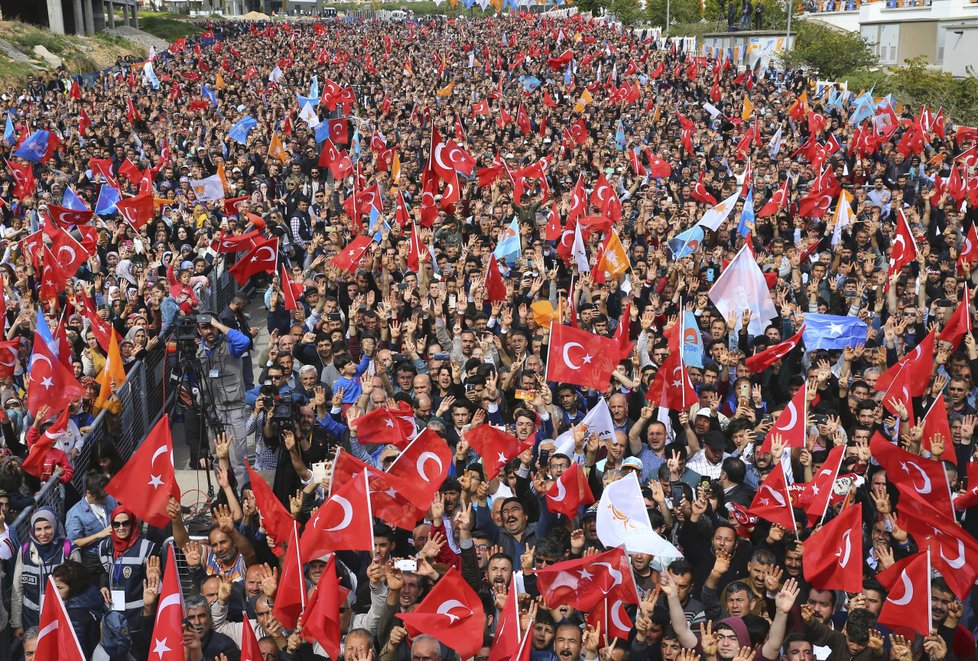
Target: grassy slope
point(166, 26)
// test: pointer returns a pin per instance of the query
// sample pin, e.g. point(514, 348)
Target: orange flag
point(219, 81)
point(277, 150)
point(223, 175)
point(614, 260)
point(114, 372)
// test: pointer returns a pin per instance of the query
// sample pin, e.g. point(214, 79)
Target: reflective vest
point(128, 570)
point(34, 576)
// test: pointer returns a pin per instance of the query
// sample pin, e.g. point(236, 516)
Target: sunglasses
point(121, 524)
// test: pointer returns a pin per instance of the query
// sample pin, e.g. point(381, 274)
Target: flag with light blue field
point(692, 341)
point(208, 94)
point(44, 331)
point(568, 75)
point(620, 136)
point(747, 216)
point(831, 331)
point(530, 83)
point(9, 134)
point(239, 132)
point(686, 243)
point(509, 248)
point(322, 132)
point(107, 198)
point(34, 147)
point(70, 200)
point(150, 74)
point(311, 100)
point(314, 88)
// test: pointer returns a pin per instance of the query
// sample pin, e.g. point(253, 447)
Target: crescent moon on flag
point(422, 459)
point(448, 605)
point(561, 491)
point(258, 253)
point(439, 148)
point(70, 250)
point(616, 611)
point(160, 450)
point(39, 357)
point(958, 562)
point(567, 359)
point(926, 488)
point(794, 416)
point(907, 591)
point(844, 554)
point(347, 514)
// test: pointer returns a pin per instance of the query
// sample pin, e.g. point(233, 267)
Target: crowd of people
point(440, 199)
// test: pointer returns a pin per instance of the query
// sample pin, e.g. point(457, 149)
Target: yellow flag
point(396, 168)
point(113, 374)
point(544, 313)
point(748, 110)
point(219, 81)
point(614, 259)
point(446, 90)
point(582, 102)
point(277, 150)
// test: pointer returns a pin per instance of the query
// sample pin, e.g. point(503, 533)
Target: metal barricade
point(186, 584)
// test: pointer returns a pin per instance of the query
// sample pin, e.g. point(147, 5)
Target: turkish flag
point(462, 162)
point(350, 257)
point(35, 462)
point(578, 132)
point(936, 424)
point(343, 522)
point(69, 253)
point(792, 424)
point(569, 492)
point(401, 216)
point(671, 386)
point(548, 101)
point(815, 204)
point(584, 582)
point(953, 551)
point(322, 622)
point(903, 251)
point(339, 130)
point(138, 210)
point(833, 558)
point(275, 519)
point(260, 259)
point(581, 358)
point(907, 605)
point(249, 643)
point(922, 483)
point(167, 640)
point(53, 277)
point(385, 425)
point(658, 168)
point(65, 217)
point(506, 641)
point(290, 599)
point(960, 322)
point(969, 498)
point(9, 354)
point(777, 202)
point(700, 194)
point(451, 194)
point(423, 467)
point(451, 613)
point(822, 483)
point(56, 637)
point(523, 120)
point(495, 285)
point(146, 482)
point(761, 360)
point(240, 243)
point(24, 179)
point(291, 291)
point(918, 364)
point(495, 446)
point(50, 383)
point(480, 109)
point(388, 499)
point(772, 502)
point(611, 620)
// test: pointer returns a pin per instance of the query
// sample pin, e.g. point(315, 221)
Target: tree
point(626, 11)
point(917, 85)
point(827, 51)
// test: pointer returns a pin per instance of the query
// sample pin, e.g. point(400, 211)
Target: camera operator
point(274, 406)
point(219, 355)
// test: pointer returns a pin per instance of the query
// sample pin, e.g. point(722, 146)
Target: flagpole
point(298, 558)
point(550, 341)
point(336, 460)
point(930, 604)
point(370, 509)
point(791, 509)
point(828, 500)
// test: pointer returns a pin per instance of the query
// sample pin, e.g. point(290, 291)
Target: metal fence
point(145, 395)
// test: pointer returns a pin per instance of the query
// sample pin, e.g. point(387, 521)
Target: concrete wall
point(960, 50)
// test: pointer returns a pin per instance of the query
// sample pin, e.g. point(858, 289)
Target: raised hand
point(193, 552)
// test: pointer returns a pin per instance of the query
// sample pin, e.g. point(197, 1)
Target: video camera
point(281, 409)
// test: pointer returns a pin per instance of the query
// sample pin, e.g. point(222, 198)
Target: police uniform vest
point(223, 374)
point(34, 576)
point(127, 572)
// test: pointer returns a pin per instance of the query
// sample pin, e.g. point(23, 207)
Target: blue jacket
point(82, 522)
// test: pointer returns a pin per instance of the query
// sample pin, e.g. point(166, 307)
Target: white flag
point(740, 287)
point(775, 145)
point(275, 75)
point(718, 215)
point(309, 116)
point(843, 218)
point(578, 251)
point(208, 189)
point(623, 519)
point(596, 422)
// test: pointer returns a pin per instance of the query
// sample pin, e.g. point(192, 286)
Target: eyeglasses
point(275, 376)
point(121, 524)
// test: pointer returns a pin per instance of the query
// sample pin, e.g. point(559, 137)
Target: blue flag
point(107, 197)
point(620, 136)
point(829, 331)
point(747, 215)
point(322, 132)
point(8, 131)
point(313, 101)
point(34, 148)
point(530, 83)
point(70, 200)
point(692, 341)
point(45, 332)
point(208, 94)
point(355, 147)
point(568, 75)
point(374, 217)
point(239, 132)
point(686, 243)
point(314, 88)
point(509, 248)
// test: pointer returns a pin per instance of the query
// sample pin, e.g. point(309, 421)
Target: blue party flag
point(239, 132)
point(9, 136)
point(107, 198)
point(686, 243)
point(208, 94)
point(747, 215)
point(35, 147)
point(830, 331)
point(70, 200)
point(509, 248)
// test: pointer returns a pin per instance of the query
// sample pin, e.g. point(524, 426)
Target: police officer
point(48, 547)
point(220, 358)
point(127, 559)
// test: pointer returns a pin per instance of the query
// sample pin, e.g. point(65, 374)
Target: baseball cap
point(632, 462)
